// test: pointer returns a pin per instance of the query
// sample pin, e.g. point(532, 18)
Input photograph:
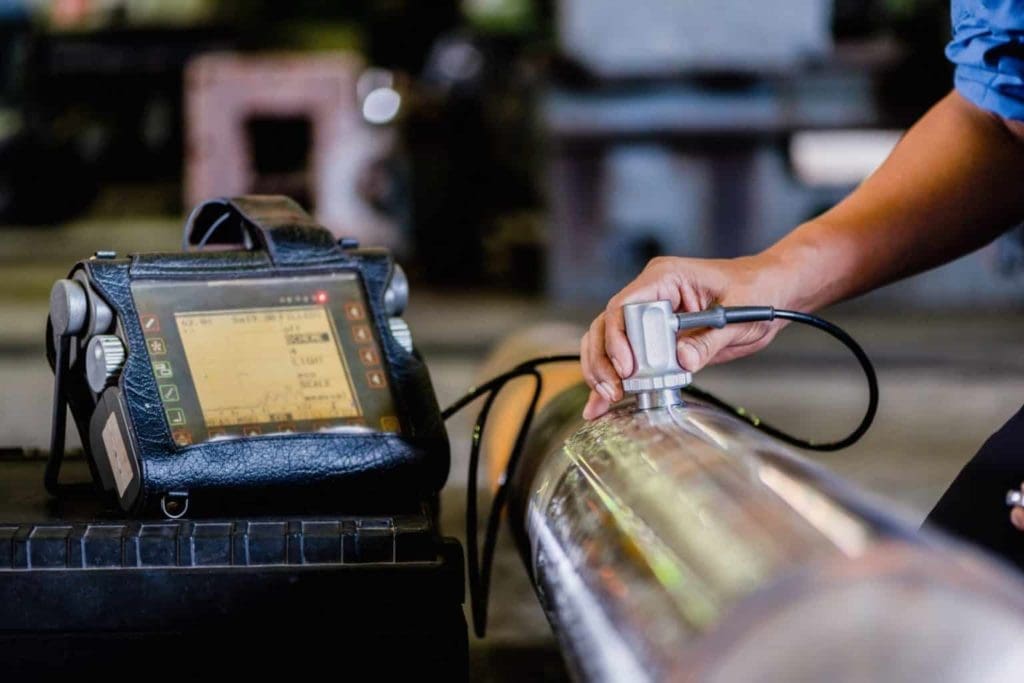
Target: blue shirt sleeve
point(988, 51)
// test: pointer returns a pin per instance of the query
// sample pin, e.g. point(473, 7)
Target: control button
point(156, 346)
point(100, 318)
point(251, 431)
point(150, 323)
point(400, 331)
point(215, 433)
point(68, 307)
point(376, 380)
point(105, 254)
point(169, 393)
point(162, 369)
point(354, 311)
point(176, 417)
point(362, 334)
point(368, 355)
point(286, 428)
point(182, 437)
point(396, 296)
point(389, 423)
point(104, 358)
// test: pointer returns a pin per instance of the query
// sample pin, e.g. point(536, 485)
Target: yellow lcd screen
point(267, 365)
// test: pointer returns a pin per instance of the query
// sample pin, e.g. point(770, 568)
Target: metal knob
point(69, 307)
point(651, 329)
point(400, 331)
point(104, 358)
point(396, 296)
point(100, 318)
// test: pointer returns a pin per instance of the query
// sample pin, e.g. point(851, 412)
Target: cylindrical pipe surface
point(681, 543)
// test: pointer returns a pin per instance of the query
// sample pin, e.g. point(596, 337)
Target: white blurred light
point(381, 105)
point(840, 157)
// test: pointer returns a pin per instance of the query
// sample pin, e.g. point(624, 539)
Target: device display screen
point(271, 355)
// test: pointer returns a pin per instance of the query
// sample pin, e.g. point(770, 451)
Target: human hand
point(690, 285)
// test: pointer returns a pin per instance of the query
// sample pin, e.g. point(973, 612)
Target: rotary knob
point(396, 296)
point(104, 358)
point(69, 307)
point(400, 331)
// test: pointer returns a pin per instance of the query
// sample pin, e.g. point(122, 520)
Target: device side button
point(321, 543)
point(375, 540)
point(348, 541)
point(414, 539)
point(293, 541)
point(211, 544)
point(103, 545)
point(7, 534)
point(20, 546)
point(47, 547)
point(158, 545)
point(267, 543)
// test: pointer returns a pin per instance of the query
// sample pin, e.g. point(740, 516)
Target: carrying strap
point(274, 223)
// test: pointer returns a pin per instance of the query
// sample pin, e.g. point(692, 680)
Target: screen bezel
point(369, 421)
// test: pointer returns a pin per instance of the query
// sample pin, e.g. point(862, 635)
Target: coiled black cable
point(479, 567)
point(829, 446)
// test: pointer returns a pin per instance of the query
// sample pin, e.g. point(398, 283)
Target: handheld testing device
point(266, 360)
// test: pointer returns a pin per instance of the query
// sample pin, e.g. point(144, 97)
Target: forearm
point(952, 184)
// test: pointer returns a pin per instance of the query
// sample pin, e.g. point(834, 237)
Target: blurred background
point(524, 158)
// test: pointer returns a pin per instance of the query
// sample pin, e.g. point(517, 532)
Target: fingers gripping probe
point(651, 329)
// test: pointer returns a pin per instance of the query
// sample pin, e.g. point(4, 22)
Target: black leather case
point(287, 471)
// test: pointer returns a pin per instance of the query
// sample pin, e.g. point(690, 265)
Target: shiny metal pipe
point(682, 544)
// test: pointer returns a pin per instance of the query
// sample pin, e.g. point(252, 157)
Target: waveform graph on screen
point(267, 365)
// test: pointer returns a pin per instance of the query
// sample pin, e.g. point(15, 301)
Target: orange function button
point(368, 355)
point(286, 428)
point(389, 423)
point(182, 437)
point(150, 323)
point(156, 346)
point(362, 334)
point(214, 433)
point(375, 378)
point(251, 431)
point(354, 310)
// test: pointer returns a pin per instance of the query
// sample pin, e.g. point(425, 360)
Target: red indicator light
point(320, 297)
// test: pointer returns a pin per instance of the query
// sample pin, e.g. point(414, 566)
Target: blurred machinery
point(680, 137)
point(90, 96)
point(314, 127)
point(661, 39)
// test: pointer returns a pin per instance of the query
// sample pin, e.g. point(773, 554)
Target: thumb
point(695, 349)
